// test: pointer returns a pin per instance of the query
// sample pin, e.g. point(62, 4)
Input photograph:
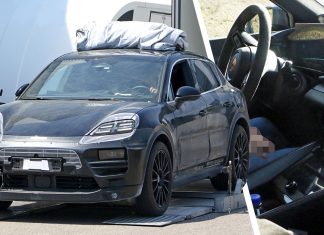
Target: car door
point(190, 120)
point(218, 121)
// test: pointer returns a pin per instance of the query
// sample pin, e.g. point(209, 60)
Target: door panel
point(217, 120)
point(190, 120)
point(217, 123)
point(192, 133)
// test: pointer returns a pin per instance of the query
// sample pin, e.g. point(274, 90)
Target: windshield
point(108, 78)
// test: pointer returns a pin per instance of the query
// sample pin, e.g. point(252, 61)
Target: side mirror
point(21, 89)
point(186, 93)
point(280, 20)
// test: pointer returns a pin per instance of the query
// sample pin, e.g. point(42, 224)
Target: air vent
point(65, 182)
point(15, 181)
point(71, 158)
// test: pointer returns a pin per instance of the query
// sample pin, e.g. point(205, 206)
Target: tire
point(239, 156)
point(156, 193)
point(4, 205)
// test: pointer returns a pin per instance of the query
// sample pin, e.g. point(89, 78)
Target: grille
point(15, 181)
point(71, 158)
point(64, 182)
point(106, 168)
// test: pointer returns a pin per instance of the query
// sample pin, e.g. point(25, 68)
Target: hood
point(53, 118)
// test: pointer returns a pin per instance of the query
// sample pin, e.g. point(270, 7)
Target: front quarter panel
point(155, 124)
point(241, 114)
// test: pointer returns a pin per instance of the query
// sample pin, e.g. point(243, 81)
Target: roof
point(128, 52)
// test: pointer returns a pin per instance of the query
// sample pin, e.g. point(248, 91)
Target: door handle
point(202, 113)
point(228, 104)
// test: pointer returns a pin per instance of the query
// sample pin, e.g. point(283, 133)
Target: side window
point(220, 15)
point(205, 77)
point(181, 75)
point(217, 73)
point(170, 95)
point(128, 16)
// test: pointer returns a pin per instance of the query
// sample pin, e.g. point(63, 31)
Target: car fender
point(238, 117)
point(159, 131)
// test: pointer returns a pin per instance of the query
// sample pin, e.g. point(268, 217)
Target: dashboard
point(304, 45)
point(293, 97)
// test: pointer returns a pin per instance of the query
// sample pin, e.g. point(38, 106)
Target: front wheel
point(156, 193)
point(239, 156)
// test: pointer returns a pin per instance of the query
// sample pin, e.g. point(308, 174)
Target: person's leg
point(270, 131)
point(257, 162)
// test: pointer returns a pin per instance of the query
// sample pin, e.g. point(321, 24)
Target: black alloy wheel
point(156, 193)
point(239, 156)
point(161, 178)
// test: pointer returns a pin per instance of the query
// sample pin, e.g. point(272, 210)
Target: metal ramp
point(186, 204)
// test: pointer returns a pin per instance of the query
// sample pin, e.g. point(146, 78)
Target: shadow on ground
point(94, 214)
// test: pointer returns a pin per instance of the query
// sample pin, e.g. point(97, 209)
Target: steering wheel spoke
point(248, 39)
point(238, 41)
point(241, 63)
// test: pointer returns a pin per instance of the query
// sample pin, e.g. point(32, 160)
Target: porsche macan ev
point(111, 125)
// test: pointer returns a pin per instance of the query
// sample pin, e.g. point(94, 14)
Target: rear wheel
point(239, 156)
point(156, 193)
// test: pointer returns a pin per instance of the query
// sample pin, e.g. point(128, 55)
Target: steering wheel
point(243, 58)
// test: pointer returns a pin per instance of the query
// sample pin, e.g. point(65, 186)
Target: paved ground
point(73, 220)
point(87, 219)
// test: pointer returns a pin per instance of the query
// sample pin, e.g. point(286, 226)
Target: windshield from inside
point(105, 78)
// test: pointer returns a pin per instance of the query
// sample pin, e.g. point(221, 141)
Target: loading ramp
point(187, 203)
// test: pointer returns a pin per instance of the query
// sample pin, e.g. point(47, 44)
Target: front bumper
point(83, 177)
point(100, 195)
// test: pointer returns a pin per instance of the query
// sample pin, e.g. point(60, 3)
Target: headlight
point(114, 127)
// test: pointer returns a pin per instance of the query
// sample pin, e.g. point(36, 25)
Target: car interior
point(291, 96)
point(289, 93)
point(181, 75)
point(280, 70)
point(290, 99)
